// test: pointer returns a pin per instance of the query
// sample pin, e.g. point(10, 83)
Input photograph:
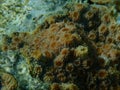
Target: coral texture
point(77, 50)
point(8, 81)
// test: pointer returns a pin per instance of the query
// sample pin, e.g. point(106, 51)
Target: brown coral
point(102, 29)
point(76, 47)
point(102, 74)
point(55, 86)
point(101, 1)
point(58, 62)
point(8, 82)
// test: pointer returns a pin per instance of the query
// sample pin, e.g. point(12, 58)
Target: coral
point(48, 77)
point(69, 67)
point(102, 29)
point(101, 1)
point(36, 54)
point(69, 86)
point(55, 86)
point(117, 2)
point(63, 86)
point(102, 74)
point(8, 81)
point(74, 15)
point(81, 51)
point(58, 62)
point(117, 37)
point(92, 35)
point(73, 50)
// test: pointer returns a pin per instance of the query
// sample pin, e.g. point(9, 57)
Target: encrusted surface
point(74, 49)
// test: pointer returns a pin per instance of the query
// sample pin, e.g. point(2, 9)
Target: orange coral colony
point(78, 46)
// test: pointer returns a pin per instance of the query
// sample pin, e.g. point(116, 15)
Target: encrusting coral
point(101, 1)
point(74, 48)
point(8, 81)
